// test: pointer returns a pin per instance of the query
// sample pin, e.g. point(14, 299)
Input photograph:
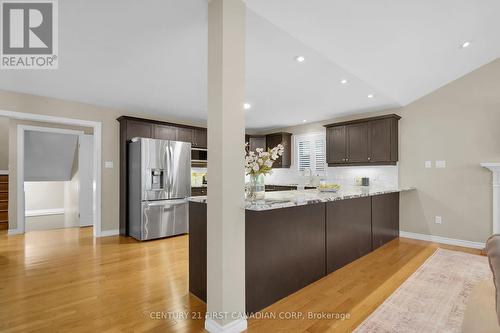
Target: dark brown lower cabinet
point(289, 248)
point(198, 191)
point(385, 218)
point(198, 249)
point(284, 252)
point(348, 231)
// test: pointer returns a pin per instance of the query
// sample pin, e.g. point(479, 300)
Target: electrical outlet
point(440, 164)
point(428, 164)
point(438, 219)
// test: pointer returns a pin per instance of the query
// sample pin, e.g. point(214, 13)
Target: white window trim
point(309, 136)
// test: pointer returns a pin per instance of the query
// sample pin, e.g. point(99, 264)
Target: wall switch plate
point(440, 164)
point(438, 220)
point(428, 164)
point(108, 164)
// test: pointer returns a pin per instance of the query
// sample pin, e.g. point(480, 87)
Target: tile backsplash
point(379, 175)
point(386, 175)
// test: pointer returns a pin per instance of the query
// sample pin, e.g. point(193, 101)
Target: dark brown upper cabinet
point(196, 136)
point(256, 141)
point(383, 133)
point(357, 143)
point(369, 141)
point(272, 140)
point(336, 147)
point(165, 132)
point(137, 129)
point(185, 134)
point(200, 138)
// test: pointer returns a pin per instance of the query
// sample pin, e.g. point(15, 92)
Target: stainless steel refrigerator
point(159, 176)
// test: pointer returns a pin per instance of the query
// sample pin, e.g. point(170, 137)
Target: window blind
point(311, 153)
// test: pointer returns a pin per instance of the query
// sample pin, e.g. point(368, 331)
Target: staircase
point(4, 202)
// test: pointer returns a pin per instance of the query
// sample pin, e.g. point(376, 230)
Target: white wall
point(53, 195)
point(49, 196)
point(41, 197)
point(44, 195)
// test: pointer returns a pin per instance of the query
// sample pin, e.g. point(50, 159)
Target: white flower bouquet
point(260, 162)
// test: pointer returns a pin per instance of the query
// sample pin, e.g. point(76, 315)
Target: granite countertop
point(273, 184)
point(283, 199)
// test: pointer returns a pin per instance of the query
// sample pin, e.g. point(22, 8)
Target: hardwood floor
point(64, 280)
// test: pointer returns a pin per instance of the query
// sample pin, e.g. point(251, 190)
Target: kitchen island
point(293, 238)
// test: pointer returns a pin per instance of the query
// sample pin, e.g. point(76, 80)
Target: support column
point(226, 137)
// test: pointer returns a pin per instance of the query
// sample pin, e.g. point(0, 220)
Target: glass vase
point(257, 188)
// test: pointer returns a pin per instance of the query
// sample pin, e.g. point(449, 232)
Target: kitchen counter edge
point(284, 199)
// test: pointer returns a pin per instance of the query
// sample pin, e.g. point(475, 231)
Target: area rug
point(433, 299)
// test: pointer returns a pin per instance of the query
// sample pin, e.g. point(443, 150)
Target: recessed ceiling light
point(304, 121)
point(343, 81)
point(465, 44)
point(300, 59)
point(247, 106)
point(370, 96)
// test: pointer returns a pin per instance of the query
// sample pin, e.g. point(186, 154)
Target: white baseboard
point(236, 326)
point(443, 240)
point(14, 232)
point(4, 172)
point(44, 212)
point(107, 233)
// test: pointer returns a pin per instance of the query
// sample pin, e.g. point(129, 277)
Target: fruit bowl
point(328, 187)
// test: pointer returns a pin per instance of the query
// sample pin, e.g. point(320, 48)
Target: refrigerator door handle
point(168, 165)
point(165, 202)
point(164, 218)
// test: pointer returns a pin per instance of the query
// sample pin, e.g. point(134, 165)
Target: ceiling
point(152, 59)
point(49, 156)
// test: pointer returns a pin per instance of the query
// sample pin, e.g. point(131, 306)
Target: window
point(311, 153)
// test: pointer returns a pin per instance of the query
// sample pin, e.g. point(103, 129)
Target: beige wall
point(110, 143)
point(4, 143)
point(459, 124)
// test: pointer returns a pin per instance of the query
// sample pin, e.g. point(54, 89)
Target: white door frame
point(86, 182)
point(97, 128)
point(21, 196)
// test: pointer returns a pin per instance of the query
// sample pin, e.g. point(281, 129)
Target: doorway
point(57, 178)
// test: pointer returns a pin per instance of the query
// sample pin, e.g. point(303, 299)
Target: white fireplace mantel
point(495, 169)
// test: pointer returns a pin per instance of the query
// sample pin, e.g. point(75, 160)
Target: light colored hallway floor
point(67, 281)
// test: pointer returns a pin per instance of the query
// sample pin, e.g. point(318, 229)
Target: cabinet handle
point(369, 158)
